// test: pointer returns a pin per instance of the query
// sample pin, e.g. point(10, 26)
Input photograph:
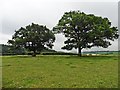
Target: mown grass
point(60, 72)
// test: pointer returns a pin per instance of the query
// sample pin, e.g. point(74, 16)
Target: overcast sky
point(20, 13)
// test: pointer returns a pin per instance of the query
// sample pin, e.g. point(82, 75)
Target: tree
point(85, 31)
point(33, 37)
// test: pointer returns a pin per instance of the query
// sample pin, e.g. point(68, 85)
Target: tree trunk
point(79, 51)
point(34, 54)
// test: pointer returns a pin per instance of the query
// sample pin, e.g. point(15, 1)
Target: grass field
point(60, 72)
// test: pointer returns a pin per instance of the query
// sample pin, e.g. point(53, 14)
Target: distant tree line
point(8, 50)
point(81, 30)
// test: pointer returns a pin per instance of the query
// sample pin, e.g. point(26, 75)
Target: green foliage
point(60, 72)
point(85, 31)
point(9, 50)
point(33, 37)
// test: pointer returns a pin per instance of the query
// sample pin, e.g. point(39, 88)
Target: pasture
point(60, 71)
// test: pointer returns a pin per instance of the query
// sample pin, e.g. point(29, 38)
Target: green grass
point(60, 72)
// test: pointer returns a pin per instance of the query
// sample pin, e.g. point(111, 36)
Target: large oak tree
point(85, 31)
point(33, 37)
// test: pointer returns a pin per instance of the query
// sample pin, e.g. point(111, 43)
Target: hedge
point(59, 53)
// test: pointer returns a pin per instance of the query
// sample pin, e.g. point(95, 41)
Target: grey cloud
point(19, 13)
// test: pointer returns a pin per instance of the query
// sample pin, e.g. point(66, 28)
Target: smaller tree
point(33, 37)
point(85, 31)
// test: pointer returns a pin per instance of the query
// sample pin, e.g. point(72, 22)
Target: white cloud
point(4, 38)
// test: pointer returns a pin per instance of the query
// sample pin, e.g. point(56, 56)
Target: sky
point(20, 13)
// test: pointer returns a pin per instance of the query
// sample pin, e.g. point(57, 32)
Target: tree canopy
point(33, 37)
point(85, 31)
